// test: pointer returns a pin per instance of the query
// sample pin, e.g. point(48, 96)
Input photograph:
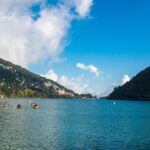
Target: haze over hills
point(16, 81)
point(136, 89)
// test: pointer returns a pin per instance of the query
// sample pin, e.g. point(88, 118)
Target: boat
point(19, 106)
point(6, 105)
point(35, 106)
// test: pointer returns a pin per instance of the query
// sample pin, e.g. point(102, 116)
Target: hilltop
point(16, 81)
point(138, 88)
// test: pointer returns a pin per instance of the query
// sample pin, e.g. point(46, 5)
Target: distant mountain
point(16, 81)
point(136, 89)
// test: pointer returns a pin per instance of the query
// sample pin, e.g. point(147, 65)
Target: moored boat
point(19, 106)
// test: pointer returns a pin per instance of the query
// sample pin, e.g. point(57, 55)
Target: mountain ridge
point(138, 88)
point(16, 81)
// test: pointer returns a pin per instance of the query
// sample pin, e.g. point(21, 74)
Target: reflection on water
point(75, 124)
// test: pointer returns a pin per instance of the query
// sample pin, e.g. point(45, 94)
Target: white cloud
point(51, 75)
point(77, 84)
point(125, 79)
point(90, 68)
point(110, 89)
point(11, 6)
point(25, 41)
point(83, 7)
point(81, 66)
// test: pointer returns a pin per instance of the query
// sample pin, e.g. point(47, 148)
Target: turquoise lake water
point(75, 125)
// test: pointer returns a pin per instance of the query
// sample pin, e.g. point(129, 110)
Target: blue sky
point(113, 36)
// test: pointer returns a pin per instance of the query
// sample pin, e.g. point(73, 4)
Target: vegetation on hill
point(16, 81)
point(136, 89)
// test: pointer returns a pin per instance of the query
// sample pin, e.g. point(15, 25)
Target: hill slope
point(136, 89)
point(16, 81)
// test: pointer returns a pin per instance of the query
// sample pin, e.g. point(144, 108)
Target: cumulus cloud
point(90, 68)
point(83, 7)
point(24, 40)
point(77, 84)
point(51, 75)
point(125, 79)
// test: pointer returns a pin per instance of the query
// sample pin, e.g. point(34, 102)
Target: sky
point(89, 46)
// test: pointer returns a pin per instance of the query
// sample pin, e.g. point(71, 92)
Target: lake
point(75, 125)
